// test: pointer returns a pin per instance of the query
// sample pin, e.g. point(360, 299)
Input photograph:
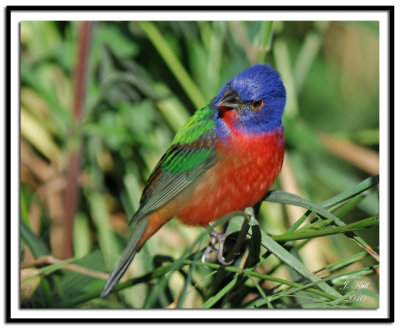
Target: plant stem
point(360, 225)
point(71, 194)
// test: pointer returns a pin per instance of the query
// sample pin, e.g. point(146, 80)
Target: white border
point(16, 17)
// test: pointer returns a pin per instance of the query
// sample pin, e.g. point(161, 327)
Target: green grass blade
point(344, 208)
point(341, 197)
point(265, 38)
point(342, 263)
point(288, 198)
point(81, 236)
point(330, 278)
point(262, 293)
point(366, 184)
point(282, 59)
point(308, 234)
point(214, 299)
point(35, 244)
point(306, 57)
point(188, 279)
point(173, 63)
point(215, 55)
point(62, 117)
point(55, 267)
point(292, 199)
point(156, 291)
point(292, 261)
point(107, 240)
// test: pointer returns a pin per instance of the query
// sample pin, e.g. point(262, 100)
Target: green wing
point(192, 153)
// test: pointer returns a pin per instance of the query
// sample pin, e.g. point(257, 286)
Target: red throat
point(229, 116)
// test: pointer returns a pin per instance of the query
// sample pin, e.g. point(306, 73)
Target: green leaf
point(288, 198)
point(342, 263)
point(254, 247)
point(361, 272)
point(292, 199)
point(75, 285)
point(47, 270)
point(214, 299)
point(101, 219)
point(292, 261)
point(307, 234)
point(35, 244)
point(188, 279)
point(81, 235)
point(366, 184)
point(62, 117)
point(173, 63)
point(265, 36)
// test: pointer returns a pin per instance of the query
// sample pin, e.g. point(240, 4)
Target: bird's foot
point(216, 238)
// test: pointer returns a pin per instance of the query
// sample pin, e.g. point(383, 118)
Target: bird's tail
point(144, 229)
point(127, 257)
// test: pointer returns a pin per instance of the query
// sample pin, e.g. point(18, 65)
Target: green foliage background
point(144, 80)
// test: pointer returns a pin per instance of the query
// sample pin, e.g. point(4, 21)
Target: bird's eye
point(257, 104)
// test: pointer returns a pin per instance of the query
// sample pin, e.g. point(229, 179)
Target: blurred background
point(101, 102)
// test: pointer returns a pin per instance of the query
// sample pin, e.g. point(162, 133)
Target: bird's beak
point(230, 100)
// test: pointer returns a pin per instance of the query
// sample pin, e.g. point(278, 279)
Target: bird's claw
point(215, 238)
point(206, 253)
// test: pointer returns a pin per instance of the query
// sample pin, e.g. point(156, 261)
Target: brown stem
point(71, 267)
point(71, 195)
point(360, 156)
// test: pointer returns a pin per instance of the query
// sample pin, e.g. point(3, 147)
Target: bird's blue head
point(252, 102)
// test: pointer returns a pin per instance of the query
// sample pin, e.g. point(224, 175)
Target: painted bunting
point(224, 159)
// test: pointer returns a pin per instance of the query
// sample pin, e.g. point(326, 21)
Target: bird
point(223, 160)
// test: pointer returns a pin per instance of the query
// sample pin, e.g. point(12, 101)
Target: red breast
point(246, 168)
